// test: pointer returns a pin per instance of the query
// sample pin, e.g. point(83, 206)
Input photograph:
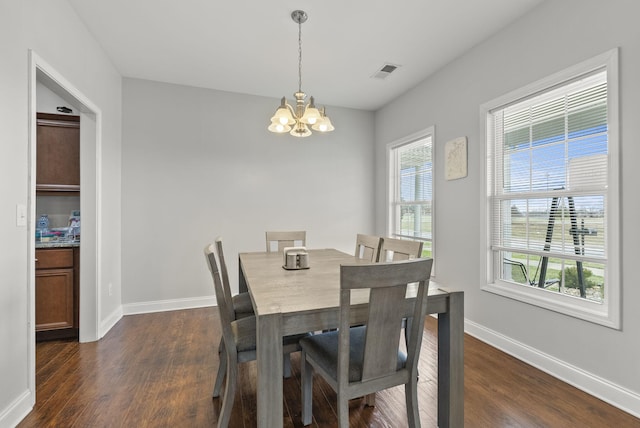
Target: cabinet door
point(54, 299)
point(58, 153)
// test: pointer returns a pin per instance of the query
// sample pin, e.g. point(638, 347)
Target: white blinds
point(412, 195)
point(549, 159)
point(415, 167)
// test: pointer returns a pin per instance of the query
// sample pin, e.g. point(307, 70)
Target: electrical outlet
point(110, 289)
point(21, 215)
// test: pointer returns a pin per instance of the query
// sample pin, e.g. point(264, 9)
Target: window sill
point(598, 313)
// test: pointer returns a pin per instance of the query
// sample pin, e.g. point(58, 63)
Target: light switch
point(21, 215)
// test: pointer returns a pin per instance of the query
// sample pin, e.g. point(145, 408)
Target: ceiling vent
point(385, 71)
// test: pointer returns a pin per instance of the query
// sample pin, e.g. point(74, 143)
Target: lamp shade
point(311, 114)
point(283, 114)
point(324, 124)
point(300, 130)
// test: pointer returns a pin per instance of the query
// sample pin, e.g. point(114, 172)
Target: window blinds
point(549, 160)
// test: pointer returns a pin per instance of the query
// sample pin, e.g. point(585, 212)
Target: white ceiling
point(251, 46)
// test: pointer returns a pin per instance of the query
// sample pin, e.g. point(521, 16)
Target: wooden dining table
point(297, 301)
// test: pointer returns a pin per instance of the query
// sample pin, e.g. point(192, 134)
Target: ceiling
point(251, 46)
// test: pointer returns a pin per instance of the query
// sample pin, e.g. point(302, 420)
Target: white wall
point(54, 32)
point(48, 101)
point(200, 163)
point(554, 36)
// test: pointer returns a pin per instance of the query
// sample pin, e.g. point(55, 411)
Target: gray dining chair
point(394, 249)
point(368, 247)
point(241, 302)
point(241, 307)
point(296, 238)
point(357, 361)
point(239, 342)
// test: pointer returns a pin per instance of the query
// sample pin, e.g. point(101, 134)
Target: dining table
point(297, 301)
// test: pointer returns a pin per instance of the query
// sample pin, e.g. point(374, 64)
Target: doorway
point(41, 73)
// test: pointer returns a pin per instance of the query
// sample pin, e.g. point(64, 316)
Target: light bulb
point(278, 127)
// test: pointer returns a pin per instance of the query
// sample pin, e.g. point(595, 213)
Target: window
point(411, 189)
point(551, 193)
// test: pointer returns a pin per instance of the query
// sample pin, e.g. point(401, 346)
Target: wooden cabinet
point(57, 153)
point(57, 286)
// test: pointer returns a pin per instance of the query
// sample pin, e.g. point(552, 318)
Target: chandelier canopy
point(297, 120)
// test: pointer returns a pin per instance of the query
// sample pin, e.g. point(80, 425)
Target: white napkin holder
point(295, 258)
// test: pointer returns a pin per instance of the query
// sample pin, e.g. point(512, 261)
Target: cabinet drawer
point(54, 258)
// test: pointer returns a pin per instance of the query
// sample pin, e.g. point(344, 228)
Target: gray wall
point(199, 163)
point(53, 31)
point(554, 36)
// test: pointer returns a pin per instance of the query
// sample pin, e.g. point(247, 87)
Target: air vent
point(385, 71)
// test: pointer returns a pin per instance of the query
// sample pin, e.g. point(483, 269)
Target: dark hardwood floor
point(157, 370)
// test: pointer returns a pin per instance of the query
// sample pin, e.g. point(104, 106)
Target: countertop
point(57, 244)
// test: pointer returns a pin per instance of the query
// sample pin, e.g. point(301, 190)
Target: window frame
point(607, 313)
point(392, 186)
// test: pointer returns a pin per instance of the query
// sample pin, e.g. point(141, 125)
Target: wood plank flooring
point(157, 370)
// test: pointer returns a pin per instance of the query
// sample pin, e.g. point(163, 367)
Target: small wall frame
point(455, 158)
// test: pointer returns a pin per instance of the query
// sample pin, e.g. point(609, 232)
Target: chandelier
point(297, 120)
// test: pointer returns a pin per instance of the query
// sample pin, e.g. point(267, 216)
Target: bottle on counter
point(43, 223)
point(74, 228)
point(42, 226)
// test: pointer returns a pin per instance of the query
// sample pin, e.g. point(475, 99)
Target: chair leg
point(229, 395)
point(343, 411)
point(221, 345)
point(286, 367)
point(222, 369)
point(306, 375)
point(370, 399)
point(411, 397)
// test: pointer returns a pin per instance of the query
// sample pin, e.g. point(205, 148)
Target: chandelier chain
point(299, 56)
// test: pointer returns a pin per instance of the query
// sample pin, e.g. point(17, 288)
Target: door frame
point(90, 201)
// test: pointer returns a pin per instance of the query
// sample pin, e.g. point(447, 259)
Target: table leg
point(451, 363)
point(269, 356)
point(242, 282)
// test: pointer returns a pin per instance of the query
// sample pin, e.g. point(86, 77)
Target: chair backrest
point(224, 275)
point(286, 239)
point(368, 247)
point(387, 307)
point(226, 313)
point(393, 249)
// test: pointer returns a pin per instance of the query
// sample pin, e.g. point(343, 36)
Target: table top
point(275, 290)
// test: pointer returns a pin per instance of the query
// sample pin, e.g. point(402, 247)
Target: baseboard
point(18, 410)
point(603, 389)
point(108, 323)
point(168, 305)
point(155, 306)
